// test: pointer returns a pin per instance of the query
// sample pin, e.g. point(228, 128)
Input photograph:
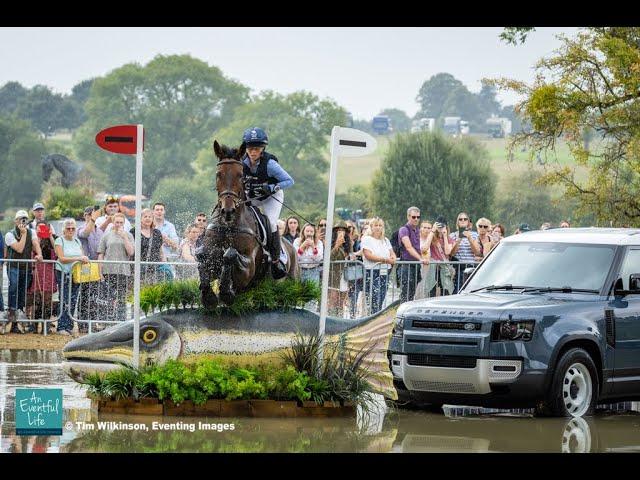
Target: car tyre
point(574, 387)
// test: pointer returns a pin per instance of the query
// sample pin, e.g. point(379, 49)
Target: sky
point(365, 70)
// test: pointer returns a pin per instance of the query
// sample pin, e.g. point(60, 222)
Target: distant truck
point(455, 126)
point(381, 124)
point(498, 127)
point(423, 125)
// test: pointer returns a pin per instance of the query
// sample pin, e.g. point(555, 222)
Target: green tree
point(525, 200)
point(298, 126)
point(591, 82)
point(462, 103)
point(440, 176)
point(20, 154)
point(183, 198)
point(44, 109)
point(179, 99)
point(516, 35)
point(400, 121)
point(434, 93)
point(11, 94)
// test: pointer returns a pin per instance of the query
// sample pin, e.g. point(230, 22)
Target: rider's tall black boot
point(277, 269)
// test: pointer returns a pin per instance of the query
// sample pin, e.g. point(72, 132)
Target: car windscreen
point(537, 264)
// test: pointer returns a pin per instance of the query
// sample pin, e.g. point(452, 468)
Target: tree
point(525, 200)
point(591, 82)
point(462, 103)
point(441, 176)
point(20, 153)
point(79, 96)
point(515, 35)
point(298, 126)
point(400, 121)
point(179, 99)
point(11, 94)
point(434, 93)
point(42, 108)
point(487, 98)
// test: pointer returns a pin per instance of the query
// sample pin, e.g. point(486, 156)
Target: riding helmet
point(255, 137)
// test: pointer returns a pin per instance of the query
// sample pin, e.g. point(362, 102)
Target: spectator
point(565, 224)
point(484, 239)
point(409, 239)
point(43, 285)
point(291, 229)
point(355, 286)
point(340, 251)
point(89, 236)
point(2, 249)
point(523, 227)
point(378, 260)
point(497, 234)
point(116, 245)
point(201, 219)
point(68, 250)
point(282, 226)
point(466, 246)
point(322, 229)
point(39, 214)
point(545, 226)
point(151, 251)
point(168, 230)
point(20, 243)
point(440, 275)
point(310, 253)
point(188, 252)
point(111, 207)
point(425, 252)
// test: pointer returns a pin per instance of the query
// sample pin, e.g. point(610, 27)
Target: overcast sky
point(363, 69)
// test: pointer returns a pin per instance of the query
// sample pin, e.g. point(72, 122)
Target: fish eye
point(149, 336)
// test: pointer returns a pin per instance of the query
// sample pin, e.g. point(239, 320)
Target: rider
point(265, 181)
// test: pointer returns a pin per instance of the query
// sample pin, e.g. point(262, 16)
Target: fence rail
point(39, 296)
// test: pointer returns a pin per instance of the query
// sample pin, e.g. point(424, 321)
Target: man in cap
point(39, 214)
point(265, 181)
point(20, 243)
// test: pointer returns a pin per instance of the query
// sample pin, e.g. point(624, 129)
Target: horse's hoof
point(227, 297)
point(209, 299)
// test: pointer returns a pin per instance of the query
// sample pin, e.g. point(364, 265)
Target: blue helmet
point(255, 136)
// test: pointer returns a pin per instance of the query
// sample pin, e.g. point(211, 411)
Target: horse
point(68, 168)
point(232, 251)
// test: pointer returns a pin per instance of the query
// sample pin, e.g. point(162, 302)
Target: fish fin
point(372, 337)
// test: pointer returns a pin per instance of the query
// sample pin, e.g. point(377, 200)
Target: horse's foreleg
point(208, 269)
point(229, 259)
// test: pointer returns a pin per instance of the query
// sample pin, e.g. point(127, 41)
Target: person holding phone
point(465, 245)
point(341, 250)
point(116, 245)
point(484, 238)
point(310, 252)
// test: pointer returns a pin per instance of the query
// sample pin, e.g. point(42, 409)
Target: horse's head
point(229, 179)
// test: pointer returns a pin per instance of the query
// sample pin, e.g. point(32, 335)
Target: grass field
point(359, 170)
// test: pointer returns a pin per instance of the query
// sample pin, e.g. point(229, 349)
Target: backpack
point(395, 243)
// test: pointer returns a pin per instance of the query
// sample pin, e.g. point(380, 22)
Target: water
point(459, 429)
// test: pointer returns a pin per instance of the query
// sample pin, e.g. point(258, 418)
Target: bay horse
point(232, 248)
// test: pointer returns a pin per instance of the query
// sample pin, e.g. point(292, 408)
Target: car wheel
point(574, 388)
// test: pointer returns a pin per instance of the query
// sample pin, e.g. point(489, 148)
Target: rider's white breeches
point(271, 208)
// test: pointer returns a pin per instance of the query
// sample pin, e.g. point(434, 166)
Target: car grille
point(433, 325)
point(449, 361)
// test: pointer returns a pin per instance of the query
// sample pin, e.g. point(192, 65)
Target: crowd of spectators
point(40, 262)
point(429, 259)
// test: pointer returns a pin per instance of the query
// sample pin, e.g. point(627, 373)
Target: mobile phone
point(461, 231)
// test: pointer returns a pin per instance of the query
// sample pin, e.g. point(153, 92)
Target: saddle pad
point(263, 232)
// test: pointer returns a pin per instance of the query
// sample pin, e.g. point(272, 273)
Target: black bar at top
point(119, 139)
point(353, 143)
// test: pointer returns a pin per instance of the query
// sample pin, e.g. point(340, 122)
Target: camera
point(461, 231)
point(24, 221)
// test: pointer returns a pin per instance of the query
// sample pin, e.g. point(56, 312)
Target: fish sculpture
point(263, 337)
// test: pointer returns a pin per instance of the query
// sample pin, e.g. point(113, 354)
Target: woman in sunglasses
point(484, 237)
point(68, 250)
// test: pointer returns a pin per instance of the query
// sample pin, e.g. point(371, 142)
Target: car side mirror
point(634, 282)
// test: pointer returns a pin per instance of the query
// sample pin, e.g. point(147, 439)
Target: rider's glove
point(261, 190)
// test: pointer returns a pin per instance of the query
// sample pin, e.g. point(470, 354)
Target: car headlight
point(512, 330)
point(398, 328)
